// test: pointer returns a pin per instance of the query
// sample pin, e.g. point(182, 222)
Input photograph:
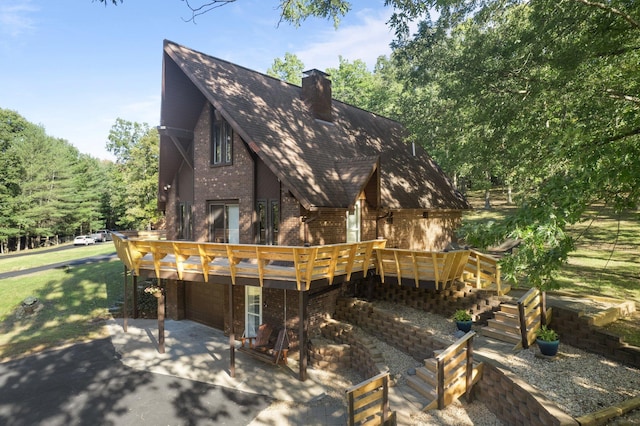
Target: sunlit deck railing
point(482, 270)
point(301, 265)
point(185, 260)
point(440, 268)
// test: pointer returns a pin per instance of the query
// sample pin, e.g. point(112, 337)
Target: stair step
point(501, 335)
point(506, 318)
point(422, 388)
point(431, 365)
point(508, 308)
point(427, 376)
point(504, 326)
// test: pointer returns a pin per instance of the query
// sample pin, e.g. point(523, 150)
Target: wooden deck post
point(303, 299)
point(232, 338)
point(135, 297)
point(125, 307)
point(161, 323)
point(469, 373)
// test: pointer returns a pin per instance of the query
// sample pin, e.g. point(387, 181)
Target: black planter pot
point(464, 325)
point(548, 348)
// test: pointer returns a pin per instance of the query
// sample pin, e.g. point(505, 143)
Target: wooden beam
point(232, 342)
point(161, 322)
point(135, 297)
point(125, 307)
point(303, 299)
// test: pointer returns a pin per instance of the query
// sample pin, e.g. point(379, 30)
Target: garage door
point(204, 303)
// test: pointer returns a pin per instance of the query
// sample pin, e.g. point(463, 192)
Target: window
point(268, 222)
point(185, 223)
point(224, 222)
point(221, 141)
point(253, 310)
point(353, 224)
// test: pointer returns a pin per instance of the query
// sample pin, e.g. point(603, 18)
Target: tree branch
point(205, 7)
point(617, 95)
point(613, 10)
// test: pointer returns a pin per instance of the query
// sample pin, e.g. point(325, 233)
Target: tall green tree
point(288, 69)
point(543, 94)
point(134, 196)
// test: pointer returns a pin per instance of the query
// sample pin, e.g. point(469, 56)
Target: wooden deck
point(247, 264)
point(300, 268)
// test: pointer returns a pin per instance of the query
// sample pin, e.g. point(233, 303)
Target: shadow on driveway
point(87, 384)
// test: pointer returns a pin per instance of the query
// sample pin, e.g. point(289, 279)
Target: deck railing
point(532, 314)
point(368, 402)
point(455, 372)
point(442, 268)
point(482, 270)
point(301, 265)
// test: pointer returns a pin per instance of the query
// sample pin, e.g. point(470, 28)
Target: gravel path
point(577, 381)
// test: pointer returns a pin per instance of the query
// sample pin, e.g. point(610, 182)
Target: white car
point(83, 240)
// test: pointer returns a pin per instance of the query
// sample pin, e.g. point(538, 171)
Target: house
point(247, 158)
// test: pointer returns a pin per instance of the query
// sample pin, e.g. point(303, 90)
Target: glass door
point(253, 310)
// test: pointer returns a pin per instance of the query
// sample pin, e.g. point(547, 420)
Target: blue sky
point(74, 66)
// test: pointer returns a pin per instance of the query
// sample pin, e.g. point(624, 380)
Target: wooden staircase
point(447, 376)
point(505, 326)
point(517, 324)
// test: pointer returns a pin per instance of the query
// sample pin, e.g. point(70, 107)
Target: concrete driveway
point(123, 380)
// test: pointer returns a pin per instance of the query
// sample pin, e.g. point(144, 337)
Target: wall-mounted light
point(390, 218)
point(166, 187)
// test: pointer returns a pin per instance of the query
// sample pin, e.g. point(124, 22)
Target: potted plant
point(463, 320)
point(547, 340)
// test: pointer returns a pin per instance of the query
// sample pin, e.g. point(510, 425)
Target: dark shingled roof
point(325, 165)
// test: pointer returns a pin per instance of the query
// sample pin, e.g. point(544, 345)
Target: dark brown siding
point(204, 303)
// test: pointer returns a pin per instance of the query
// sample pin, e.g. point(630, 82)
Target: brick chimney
point(316, 94)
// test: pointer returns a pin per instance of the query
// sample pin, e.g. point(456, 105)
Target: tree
point(136, 147)
point(544, 94)
point(288, 69)
point(295, 12)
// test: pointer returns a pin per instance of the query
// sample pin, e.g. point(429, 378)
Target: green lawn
point(38, 257)
point(75, 302)
point(606, 261)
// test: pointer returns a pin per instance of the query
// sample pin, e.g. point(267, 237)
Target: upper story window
point(221, 141)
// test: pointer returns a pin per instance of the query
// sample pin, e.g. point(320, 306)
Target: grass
point(39, 257)
point(606, 260)
point(74, 300)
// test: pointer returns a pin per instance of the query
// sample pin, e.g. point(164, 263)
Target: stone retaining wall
point(575, 330)
point(511, 399)
point(515, 402)
point(364, 357)
point(408, 338)
point(480, 303)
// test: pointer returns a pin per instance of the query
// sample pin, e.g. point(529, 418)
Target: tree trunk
point(509, 195)
point(487, 199)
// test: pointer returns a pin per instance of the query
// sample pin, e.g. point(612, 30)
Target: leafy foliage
point(541, 95)
point(135, 174)
point(288, 69)
point(47, 188)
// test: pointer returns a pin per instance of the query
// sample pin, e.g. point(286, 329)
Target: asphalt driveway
point(87, 384)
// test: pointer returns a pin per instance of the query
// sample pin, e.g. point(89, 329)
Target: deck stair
point(448, 375)
point(505, 326)
point(517, 323)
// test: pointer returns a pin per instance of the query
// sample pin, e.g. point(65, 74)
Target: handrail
point(368, 402)
point(484, 269)
point(300, 264)
point(455, 370)
point(532, 314)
